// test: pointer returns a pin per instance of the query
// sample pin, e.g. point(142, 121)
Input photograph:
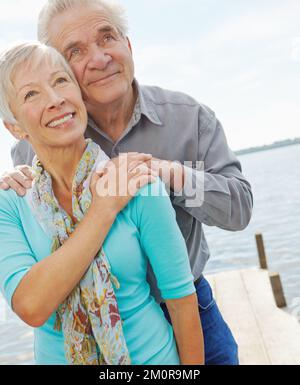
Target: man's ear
point(15, 130)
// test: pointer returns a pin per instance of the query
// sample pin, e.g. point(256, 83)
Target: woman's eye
point(29, 95)
point(61, 80)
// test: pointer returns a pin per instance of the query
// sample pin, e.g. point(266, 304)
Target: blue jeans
point(220, 346)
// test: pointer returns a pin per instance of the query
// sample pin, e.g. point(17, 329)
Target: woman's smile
point(64, 121)
point(50, 106)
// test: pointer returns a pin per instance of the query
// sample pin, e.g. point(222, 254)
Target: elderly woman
point(82, 285)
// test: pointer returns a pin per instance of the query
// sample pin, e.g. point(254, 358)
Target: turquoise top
point(145, 231)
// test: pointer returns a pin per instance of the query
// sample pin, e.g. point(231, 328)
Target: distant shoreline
point(283, 143)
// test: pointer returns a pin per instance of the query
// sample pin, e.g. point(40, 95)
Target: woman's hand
point(126, 174)
point(118, 181)
point(184, 313)
point(47, 285)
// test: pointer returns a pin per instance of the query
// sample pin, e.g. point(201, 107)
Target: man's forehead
point(75, 24)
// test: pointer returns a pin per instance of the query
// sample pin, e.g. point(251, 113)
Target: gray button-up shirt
point(173, 126)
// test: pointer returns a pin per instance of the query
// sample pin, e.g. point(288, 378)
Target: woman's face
point(48, 106)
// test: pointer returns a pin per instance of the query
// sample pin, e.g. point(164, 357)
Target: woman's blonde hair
point(20, 55)
point(52, 8)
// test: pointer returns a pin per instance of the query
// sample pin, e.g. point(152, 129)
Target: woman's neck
point(61, 164)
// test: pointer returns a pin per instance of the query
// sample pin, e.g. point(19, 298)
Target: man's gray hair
point(20, 55)
point(53, 8)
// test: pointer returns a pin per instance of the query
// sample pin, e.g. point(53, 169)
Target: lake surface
point(275, 179)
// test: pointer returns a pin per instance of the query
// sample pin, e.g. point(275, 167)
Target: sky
point(241, 58)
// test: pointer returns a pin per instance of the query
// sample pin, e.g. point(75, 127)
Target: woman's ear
point(15, 130)
point(129, 44)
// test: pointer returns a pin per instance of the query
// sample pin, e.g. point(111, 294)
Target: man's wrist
point(177, 177)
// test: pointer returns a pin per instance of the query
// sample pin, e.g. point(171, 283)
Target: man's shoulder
point(158, 95)
point(161, 96)
point(22, 153)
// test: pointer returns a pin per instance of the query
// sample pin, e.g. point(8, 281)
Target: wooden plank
point(280, 331)
point(234, 304)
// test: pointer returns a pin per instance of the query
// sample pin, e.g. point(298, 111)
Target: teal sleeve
point(162, 241)
point(16, 257)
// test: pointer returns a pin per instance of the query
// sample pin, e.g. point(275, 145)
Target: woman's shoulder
point(10, 201)
point(8, 198)
point(155, 189)
point(151, 200)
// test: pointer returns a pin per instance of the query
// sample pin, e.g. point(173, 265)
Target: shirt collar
point(143, 106)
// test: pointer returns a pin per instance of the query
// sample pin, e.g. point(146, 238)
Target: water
point(275, 179)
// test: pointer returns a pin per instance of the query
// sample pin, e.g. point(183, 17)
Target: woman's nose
point(98, 59)
point(55, 100)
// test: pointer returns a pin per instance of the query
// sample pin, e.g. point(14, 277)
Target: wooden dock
point(266, 335)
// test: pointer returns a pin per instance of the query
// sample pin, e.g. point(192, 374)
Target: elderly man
point(127, 117)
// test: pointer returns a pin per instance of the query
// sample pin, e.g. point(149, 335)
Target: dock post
point(261, 251)
point(274, 277)
point(277, 290)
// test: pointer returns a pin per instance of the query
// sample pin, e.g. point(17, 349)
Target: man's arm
point(216, 193)
point(20, 178)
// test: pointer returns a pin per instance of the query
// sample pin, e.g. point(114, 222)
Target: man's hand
point(19, 179)
point(171, 173)
point(114, 184)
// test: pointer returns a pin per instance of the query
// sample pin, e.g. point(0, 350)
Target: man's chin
point(106, 96)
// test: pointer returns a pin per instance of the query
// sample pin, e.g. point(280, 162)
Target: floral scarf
point(89, 317)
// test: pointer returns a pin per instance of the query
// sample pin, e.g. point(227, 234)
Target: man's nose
point(99, 59)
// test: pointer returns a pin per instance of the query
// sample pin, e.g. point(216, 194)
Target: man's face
point(99, 56)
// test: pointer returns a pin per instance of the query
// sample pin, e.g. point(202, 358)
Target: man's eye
point(74, 52)
point(29, 95)
point(108, 38)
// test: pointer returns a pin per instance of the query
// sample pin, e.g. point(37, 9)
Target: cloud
point(20, 10)
point(257, 24)
point(237, 58)
point(295, 54)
